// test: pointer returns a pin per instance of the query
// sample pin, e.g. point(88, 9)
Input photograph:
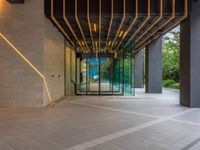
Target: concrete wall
point(70, 69)
point(27, 28)
point(53, 61)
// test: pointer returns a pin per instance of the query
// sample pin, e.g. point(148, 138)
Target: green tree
point(171, 53)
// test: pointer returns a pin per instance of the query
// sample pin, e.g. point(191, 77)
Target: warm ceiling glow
point(1, 6)
point(83, 43)
point(121, 33)
point(95, 27)
point(125, 34)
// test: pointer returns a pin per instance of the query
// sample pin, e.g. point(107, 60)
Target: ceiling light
point(95, 27)
point(83, 43)
point(121, 33)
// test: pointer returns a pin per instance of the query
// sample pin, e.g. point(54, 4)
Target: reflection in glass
point(105, 74)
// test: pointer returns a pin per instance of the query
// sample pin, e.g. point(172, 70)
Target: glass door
point(106, 76)
point(82, 77)
point(93, 76)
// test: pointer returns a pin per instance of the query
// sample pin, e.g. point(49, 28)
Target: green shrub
point(176, 85)
point(168, 83)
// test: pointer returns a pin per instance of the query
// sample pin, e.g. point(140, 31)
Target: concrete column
point(153, 67)
point(190, 58)
point(139, 62)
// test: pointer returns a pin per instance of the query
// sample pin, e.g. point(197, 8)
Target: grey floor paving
point(155, 104)
point(193, 116)
point(167, 135)
point(143, 122)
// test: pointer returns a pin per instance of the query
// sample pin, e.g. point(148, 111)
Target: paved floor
point(143, 122)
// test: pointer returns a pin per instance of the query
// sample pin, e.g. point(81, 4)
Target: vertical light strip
point(161, 25)
point(79, 25)
point(153, 24)
point(110, 25)
point(68, 24)
point(142, 23)
point(131, 25)
point(99, 25)
point(89, 23)
point(58, 24)
point(124, 16)
point(29, 63)
point(47, 88)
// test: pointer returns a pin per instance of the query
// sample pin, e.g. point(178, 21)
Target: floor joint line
point(110, 137)
point(115, 109)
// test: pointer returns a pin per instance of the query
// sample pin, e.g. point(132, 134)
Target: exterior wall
point(27, 28)
point(70, 70)
point(19, 84)
point(73, 71)
point(53, 46)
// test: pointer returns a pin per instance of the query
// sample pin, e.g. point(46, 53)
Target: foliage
point(168, 83)
point(176, 85)
point(171, 53)
point(106, 69)
point(171, 84)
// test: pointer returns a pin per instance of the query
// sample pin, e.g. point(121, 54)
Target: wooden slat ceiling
point(94, 26)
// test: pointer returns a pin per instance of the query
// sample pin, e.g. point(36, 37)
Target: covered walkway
point(146, 121)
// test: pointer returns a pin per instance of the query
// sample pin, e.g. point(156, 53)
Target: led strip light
point(161, 26)
point(79, 25)
point(89, 23)
point(174, 24)
point(58, 24)
point(110, 25)
point(142, 23)
point(157, 20)
point(29, 63)
point(68, 24)
point(124, 16)
point(132, 23)
point(180, 19)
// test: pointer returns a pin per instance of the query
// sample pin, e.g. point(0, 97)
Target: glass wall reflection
point(105, 74)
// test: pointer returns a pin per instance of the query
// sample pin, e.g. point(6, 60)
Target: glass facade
point(105, 74)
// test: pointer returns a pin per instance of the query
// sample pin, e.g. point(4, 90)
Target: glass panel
point(128, 71)
point(93, 75)
point(117, 76)
point(82, 87)
point(106, 76)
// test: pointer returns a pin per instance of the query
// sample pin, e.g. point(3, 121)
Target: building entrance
point(104, 74)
